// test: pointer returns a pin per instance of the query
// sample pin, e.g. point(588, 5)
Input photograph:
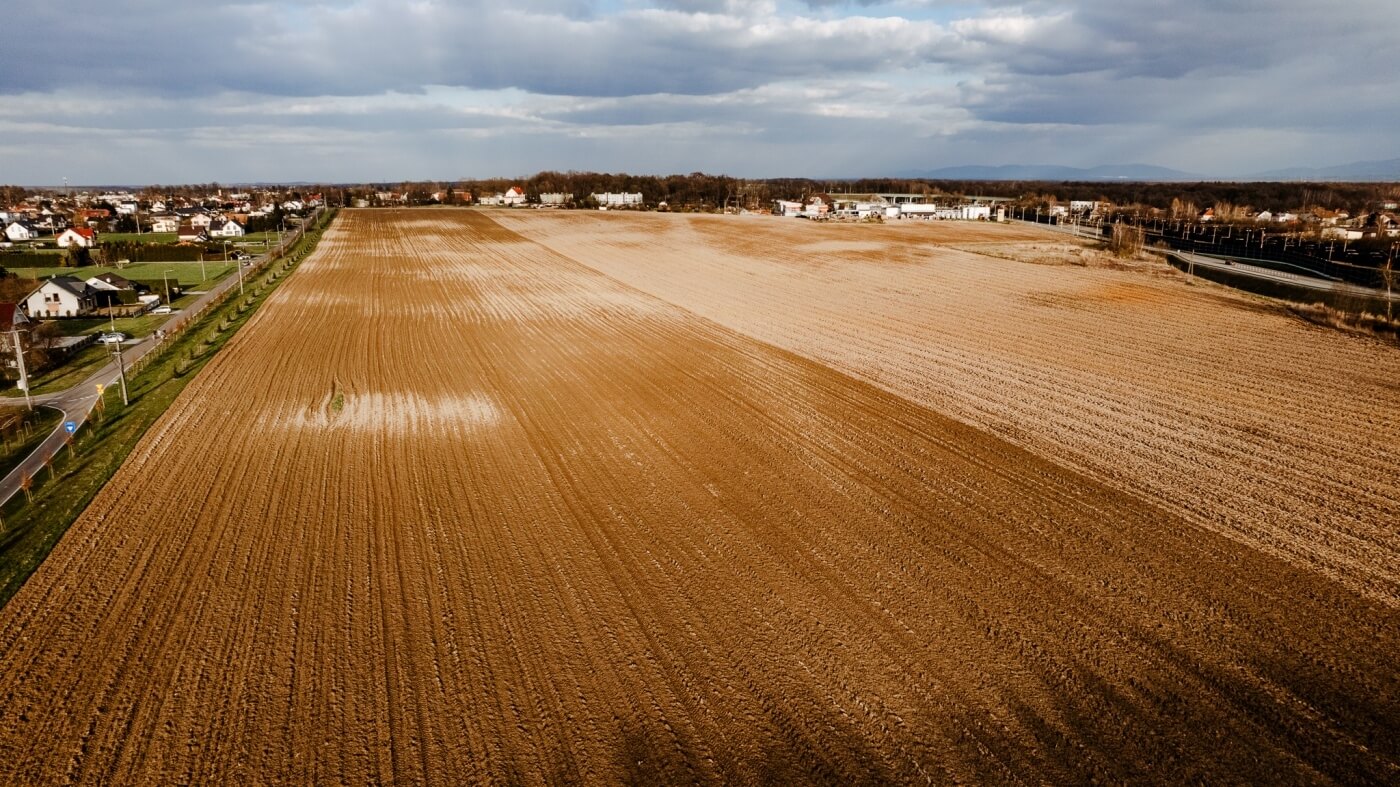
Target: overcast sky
point(138, 91)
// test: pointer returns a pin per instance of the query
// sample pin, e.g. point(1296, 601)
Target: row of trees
point(704, 191)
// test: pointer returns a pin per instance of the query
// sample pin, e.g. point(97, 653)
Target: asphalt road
point(76, 403)
point(1284, 277)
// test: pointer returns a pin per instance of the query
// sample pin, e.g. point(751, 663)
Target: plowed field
point(455, 507)
point(1280, 434)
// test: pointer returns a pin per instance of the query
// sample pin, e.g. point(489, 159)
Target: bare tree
point(1388, 276)
point(1126, 241)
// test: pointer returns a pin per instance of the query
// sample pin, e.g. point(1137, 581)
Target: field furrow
point(1250, 423)
point(455, 507)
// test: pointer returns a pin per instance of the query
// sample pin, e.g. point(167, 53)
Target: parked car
point(162, 309)
point(112, 338)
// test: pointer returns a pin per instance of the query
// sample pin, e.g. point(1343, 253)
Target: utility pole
point(121, 371)
point(19, 360)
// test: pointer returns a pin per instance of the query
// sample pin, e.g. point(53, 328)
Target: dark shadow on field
point(1280, 717)
point(784, 753)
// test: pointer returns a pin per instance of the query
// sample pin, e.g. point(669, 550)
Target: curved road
point(1239, 268)
point(76, 403)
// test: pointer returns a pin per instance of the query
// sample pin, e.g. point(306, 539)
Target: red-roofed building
point(77, 236)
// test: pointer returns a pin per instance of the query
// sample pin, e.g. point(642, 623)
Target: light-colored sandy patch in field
point(387, 413)
point(839, 246)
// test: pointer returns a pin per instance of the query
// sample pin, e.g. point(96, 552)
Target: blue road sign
point(70, 426)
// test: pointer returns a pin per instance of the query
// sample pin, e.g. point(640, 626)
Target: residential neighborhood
point(74, 264)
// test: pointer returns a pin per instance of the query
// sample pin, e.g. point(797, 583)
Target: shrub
point(1126, 241)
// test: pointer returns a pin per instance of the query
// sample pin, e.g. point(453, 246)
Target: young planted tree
point(1388, 276)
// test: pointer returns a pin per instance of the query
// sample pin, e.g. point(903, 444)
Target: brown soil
point(455, 508)
point(1281, 435)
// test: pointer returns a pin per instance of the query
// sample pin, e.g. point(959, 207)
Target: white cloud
point(429, 84)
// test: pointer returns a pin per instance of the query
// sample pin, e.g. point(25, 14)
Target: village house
point(51, 220)
point(111, 290)
point(514, 195)
point(82, 237)
point(785, 207)
point(90, 216)
point(11, 319)
point(165, 224)
point(111, 281)
point(226, 228)
point(18, 231)
point(60, 296)
point(857, 209)
point(1343, 233)
point(187, 232)
point(556, 198)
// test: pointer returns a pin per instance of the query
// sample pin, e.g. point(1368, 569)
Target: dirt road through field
point(455, 508)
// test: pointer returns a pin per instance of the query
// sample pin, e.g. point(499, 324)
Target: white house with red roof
point(84, 237)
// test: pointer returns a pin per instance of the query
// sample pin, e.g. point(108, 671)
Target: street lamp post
point(166, 281)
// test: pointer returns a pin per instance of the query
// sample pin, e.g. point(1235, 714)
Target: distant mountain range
point(1053, 172)
point(1356, 171)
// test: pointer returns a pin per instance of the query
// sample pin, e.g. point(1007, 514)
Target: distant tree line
point(702, 191)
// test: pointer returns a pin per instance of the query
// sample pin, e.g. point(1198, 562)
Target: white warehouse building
point(610, 200)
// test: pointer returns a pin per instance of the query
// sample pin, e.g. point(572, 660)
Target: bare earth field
point(458, 507)
point(1248, 422)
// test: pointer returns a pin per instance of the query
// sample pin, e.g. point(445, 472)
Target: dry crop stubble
point(1245, 420)
point(558, 529)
